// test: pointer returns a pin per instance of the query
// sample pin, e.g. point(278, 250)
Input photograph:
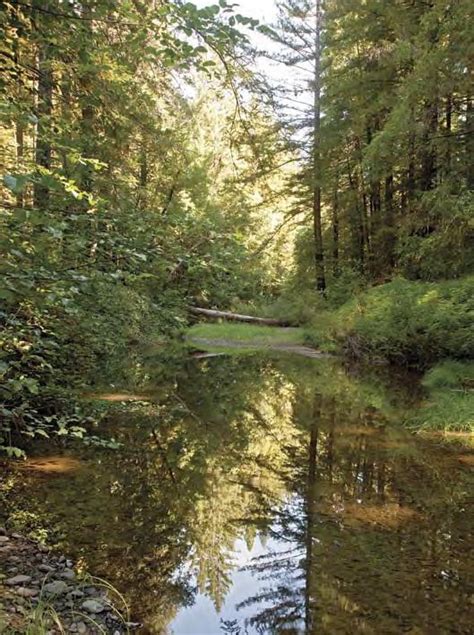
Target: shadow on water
point(264, 495)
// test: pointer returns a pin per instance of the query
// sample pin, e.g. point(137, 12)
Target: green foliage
point(403, 322)
point(396, 142)
point(446, 250)
point(450, 374)
point(124, 196)
point(142, 172)
point(416, 322)
point(450, 402)
point(295, 306)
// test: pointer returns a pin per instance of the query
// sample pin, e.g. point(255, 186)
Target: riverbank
point(45, 593)
point(403, 322)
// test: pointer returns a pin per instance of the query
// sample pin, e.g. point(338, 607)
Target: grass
point(450, 374)
point(42, 618)
point(251, 334)
point(450, 399)
point(35, 620)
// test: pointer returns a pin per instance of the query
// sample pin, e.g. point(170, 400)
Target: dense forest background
point(149, 165)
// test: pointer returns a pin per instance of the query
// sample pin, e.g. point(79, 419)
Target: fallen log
point(236, 317)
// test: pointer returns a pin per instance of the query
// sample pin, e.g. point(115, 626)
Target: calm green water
point(258, 495)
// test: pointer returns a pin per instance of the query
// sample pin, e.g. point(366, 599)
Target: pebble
point(52, 578)
point(92, 606)
point(77, 593)
point(58, 587)
point(25, 592)
point(18, 579)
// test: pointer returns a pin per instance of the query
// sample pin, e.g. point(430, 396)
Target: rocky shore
point(41, 588)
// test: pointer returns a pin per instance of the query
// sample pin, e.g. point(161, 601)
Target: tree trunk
point(357, 224)
point(20, 147)
point(335, 229)
point(236, 317)
point(449, 117)
point(411, 171)
point(317, 216)
point(19, 124)
point(469, 143)
point(44, 111)
point(428, 159)
point(389, 243)
point(87, 88)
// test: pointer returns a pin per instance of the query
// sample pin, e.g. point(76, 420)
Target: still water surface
point(265, 495)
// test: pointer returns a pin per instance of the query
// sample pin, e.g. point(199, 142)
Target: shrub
point(413, 322)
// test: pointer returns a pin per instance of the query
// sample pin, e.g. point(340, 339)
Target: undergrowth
point(449, 404)
point(404, 322)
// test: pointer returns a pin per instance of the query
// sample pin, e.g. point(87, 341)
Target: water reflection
point(267, 496)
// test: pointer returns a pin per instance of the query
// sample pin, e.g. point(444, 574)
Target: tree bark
point(469, 143)
point(43, 153)
point(389, 246)
point(428, 159)
point(317, 216)
point(335, 229)
point(237, 317)
point(358, 224)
